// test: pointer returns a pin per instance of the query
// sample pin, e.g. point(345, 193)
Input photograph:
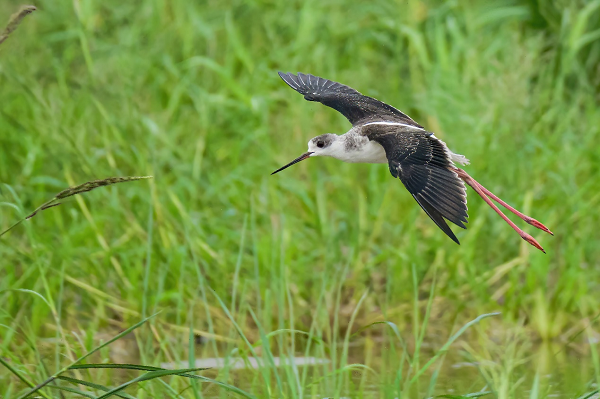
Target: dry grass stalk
point(15, 20)
point(71, 191)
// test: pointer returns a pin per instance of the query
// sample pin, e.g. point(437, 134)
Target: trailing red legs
point(485, 193)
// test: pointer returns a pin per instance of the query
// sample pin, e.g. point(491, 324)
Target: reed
point(15, 20)
point(71, 191)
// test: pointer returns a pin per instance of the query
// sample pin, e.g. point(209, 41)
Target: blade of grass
point(535, 389)
point(72, 390)
point(16, 373)
point(71, 191)
point(124, 366)
point(146, 377)
point(99, 387)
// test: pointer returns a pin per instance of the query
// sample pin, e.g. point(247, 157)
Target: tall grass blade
point(146, 377)
point(535, 389)
point(71, 191)
point(591, 394)
point(16, 373)
point(98, 387)
point(123, 366)
point(75, 391)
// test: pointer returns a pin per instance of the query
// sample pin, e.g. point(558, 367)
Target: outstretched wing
point(422, 162)
point(357, 108)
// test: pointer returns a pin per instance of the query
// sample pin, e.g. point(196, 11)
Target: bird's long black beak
point(300, 158)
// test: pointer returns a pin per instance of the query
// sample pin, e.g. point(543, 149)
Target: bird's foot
point(531, 240)
point(537, 224)
point(487, 194)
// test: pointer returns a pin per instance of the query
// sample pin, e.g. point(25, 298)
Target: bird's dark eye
point(320, 144)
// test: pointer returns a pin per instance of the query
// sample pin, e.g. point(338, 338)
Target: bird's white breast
point(356, 148)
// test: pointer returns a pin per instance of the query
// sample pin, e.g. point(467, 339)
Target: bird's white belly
point(368, 152)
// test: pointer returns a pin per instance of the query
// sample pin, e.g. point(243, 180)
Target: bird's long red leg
point(484, 193)
point(527, 219)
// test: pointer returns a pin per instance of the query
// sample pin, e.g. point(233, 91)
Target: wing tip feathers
point(437, 217)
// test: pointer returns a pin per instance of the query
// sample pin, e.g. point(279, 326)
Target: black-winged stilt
point(382, 134)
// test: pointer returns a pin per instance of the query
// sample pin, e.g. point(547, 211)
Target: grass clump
point(151, 374)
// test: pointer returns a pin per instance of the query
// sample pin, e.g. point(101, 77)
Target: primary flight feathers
point(356, 107)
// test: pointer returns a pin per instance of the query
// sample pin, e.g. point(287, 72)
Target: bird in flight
point(382, 134)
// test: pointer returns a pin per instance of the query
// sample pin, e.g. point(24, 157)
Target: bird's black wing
point(357, 108)
point(422, 162)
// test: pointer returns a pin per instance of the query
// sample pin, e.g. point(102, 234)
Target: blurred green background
point(188, 92)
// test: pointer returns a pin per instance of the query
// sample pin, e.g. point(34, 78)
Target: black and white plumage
point(423, 163)
point(382, 134)
point(358, 109)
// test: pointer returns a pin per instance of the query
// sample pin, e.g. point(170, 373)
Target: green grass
point(188, 93)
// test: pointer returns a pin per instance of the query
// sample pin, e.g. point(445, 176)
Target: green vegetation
point(329, 260)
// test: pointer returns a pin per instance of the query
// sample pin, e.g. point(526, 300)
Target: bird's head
point(322, 145)
point(318, 146)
